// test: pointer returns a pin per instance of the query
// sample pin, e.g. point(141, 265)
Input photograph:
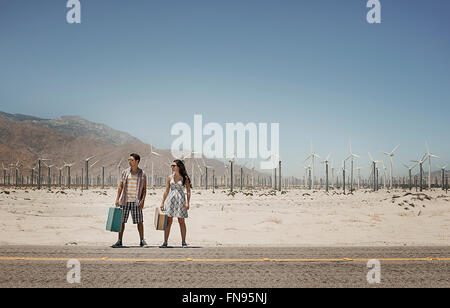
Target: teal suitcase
point(114, 222)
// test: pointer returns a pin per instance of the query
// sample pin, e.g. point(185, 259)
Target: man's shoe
point(143, 243)
point(164, 245)
point(118, 244)
point(184, 245)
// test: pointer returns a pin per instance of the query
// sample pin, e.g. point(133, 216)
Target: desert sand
point(257, 218)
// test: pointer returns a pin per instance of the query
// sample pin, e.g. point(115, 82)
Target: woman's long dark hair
point(183, 172)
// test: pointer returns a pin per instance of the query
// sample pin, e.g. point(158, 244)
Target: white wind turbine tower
point(16, 167)
point(39, 162)
point(410, 174)
point(48, 175)
point(68, 166)
point(307, 169)
point(151, 159)
point(374, 171)
point(343, 174)
point(200, 171)
point(231, 161)
point(93, 166)
point(312, 156)
point(391, 155)
point(86, 163)
point(273, 157)
point(225, 173)
point(332, 175)
point(352, 156)
point(359, 177)
point(385, 175)
point(326, 162)
point(191, 155)
point(60, 176)
point(242, 175)
point(4, 174)
point(206, 173)
point(442, 175)
point(420, 162)
point(429, 156)
point(253, 173)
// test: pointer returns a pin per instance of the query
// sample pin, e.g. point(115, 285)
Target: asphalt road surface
point(236, 267)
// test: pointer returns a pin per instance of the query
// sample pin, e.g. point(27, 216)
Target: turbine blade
point(396, 148)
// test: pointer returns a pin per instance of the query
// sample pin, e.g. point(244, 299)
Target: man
point(131, 197)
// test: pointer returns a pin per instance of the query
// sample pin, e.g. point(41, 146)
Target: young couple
point(133, 190)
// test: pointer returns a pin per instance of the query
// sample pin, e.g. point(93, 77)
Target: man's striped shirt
point(132, 188)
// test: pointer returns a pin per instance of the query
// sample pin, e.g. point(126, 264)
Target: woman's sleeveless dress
point(176, 200)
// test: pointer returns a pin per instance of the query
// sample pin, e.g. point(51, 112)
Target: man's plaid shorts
point(136, 214)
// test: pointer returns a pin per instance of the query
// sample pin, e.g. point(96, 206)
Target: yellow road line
point(221, 260)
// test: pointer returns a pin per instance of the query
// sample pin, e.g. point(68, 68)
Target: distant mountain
point(25, 138)
point(77, 127)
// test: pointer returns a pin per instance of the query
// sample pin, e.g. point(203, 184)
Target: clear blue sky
point(316, 67)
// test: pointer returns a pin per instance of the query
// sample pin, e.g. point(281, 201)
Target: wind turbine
point(374, 170)
point(91, 166)
point(352, 156)
point(225, 174)
point(420, 162)
point(391, 155)
point(151, 160)
point(279, 172)
point(16, 167)
point(242, 175)
point(332, 175)
point(326, 161)
point(60, 176)
point(443, 175)
point(39, 162)
point(86, 161)
point(307, 177)
point(68, 166)
point(312, 156)
point(232, 160)
point(206, 173)
point(189, 155)
point(4, 174)
point(253, 173)
point(343, 174)
point(49, 175)
point(410, 174)
point(359, 177)
point(385, 175)
point(429, 156)
point(273, 157)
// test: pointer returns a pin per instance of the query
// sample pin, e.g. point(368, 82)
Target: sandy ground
point(294, 218)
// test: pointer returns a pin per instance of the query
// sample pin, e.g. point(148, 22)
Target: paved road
point(237, 267)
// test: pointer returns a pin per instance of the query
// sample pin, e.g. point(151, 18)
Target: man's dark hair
point(136, 157)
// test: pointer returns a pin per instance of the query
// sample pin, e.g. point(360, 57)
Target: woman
point(174, 201)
